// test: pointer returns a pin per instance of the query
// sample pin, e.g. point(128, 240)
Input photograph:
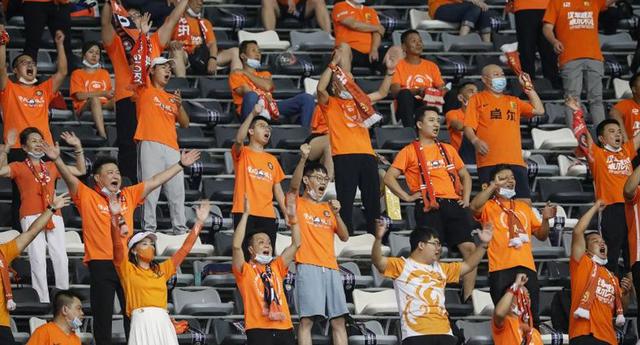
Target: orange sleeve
point(455, 157)
point(437, 76)
point(280, 266)
point(551, 14)
point(76, 84)
point(630, 147)
point(338, 14)
point(535, 219)
point(374, 16)
point(10, 250)
point(48, 88)
point(155, 40)
point(107, 80)
point(279, 173)
point(236, 79)
point(394, 268)
point(622, 108)
point(168, 268)
point(483, 217)
point(402, 160)
point(136, 193)
point(209, 36)
point(452, 271)
point(119, 249)
point(471, 113)
point(396, 76)
point(236, 153)
point(525, 108)
point(448, 117)
point(188, 243)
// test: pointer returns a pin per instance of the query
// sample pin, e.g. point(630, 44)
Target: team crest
point(270, 165)
point(513, 105)
point(326, 214)
point(39, 93)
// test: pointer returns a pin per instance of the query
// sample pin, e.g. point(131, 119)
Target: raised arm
point(53, 152)
point(80, 169)
point(120, 254)
point(5, 170)
point(573, 104)
point(534, 98)
point(23, 240)
point(631, 185)
point(243, 130)
point(391, 63)
point(166, 29)
point(202, 213)
point(342, 231)
point(377, 258)
point(289, 253)
point(391, 181)
point(472, 261)
point(237, 253)
point(578, 244)
point(4, 76)
point(61, 71)
point(503, 308)
point(296, 179)
point(481, 198)
point(548, 213)
point(186, 160)
point(183, 117)
point(106, 28)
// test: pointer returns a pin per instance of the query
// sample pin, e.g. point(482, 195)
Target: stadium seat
point(361, 281)
point(619, 42)
point(394, 138)
point(537, 166)
point(19, 337)
point(199, 302)
point(422, 20)
point(482, 303)
point(73, 243)
point(182, 84)
point(6, 236)
point(380, 337)
point(225, 136)
point(429, 45)
point(167, 245)
point(375, 303)
point(556, 139)
point(223, 276)
point(223, 242)
point(571, 166)
point(193, 137)
point(621, 88)
point(399, 244)
point(311, 86)
point(476, 333)
point(563, 191)
point(544, 249)
point(28, 302)
point(267, 40)
point(379, 280)
point(357, 246)
point(206, 112)
point(561, 213)
point(214, 88)
point(467, 43)
point(289, 137)
point(225, 333)
point(218, 190)
point(86, 134)
point(117, 332)
point(312, 41)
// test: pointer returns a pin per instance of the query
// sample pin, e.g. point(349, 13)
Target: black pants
point(635, 271)
point(452, 223)
point(104, 285)
point(15, 155)
point(126, 123)
point(258, 224)
point(270, 337)
point(362, 60)
point(586, 340)
point(407, 105)
point(500, 281)
point(614, 232)
point(530, 39)
point(352, 171)
point(6, 337)
point(55, 17)
point(431, 340)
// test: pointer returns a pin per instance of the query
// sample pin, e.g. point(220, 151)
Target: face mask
point(499, 84)
point(36, 155)
point(253, 63)
point(359, 1)
point(88, 65)
point(263, 259)
point(345, 95)
point(75, 323)
point(314, 195)
point(507, 193)
point(107, 192)
point(147, 254)
point(26, 82)
point(598, 260)
point(611, 148)
point(192, 13)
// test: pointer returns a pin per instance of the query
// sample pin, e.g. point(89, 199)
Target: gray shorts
point(319, 292)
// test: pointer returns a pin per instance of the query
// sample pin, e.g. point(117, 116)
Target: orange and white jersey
point(420, 294)
point(632, 213)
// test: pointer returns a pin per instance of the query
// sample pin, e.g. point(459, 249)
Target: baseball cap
point(139, 236)
point(160, 61)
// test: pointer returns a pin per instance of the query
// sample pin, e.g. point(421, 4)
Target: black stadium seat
point(393, 138)
point(290, 137)
point(563, 191)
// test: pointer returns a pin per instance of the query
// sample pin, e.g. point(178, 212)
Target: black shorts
point(258, 224)
point(6, 337)
point(586, 340)
point(258, 336)
point(452, 222)
point(519, 172)
point(313, 136)
point(360, 59)
point(440, 339)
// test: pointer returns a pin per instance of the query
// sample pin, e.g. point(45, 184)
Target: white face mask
point(611, 148)
point(507, 193)
point(75, 323)
point(345, 95)
point(36, 155)
point(314, 195)
point(263, 259)
point(359, 1)
point(192, 13)
point(88, 65)
point(253, 63)
point(26, 82)
point(107, 192)
point(599, 261)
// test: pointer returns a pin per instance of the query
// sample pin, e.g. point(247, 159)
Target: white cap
point(139, 236)
point(160, 61)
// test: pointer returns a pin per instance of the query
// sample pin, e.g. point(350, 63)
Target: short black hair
point(405, 35)
point(633, 79)
point(256, 119)
point(245, 44)
point(15, 60)
point(498, 168)
point(63, 298)
point(90, 44)
point(24, 135)
point(603, 124)
point(102, 160)
point(421, 235)
point(248, 241)
point(420, 113)
point(464, 84)
point(313, 166)
point(135, 8)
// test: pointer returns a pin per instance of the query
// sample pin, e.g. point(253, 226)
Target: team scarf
point(117, 218)
point(271, 304)
point(513, 60)
point(6, 283)
point(124, 26)
point(521, 307)
point(432, 97)
point(517, 233)
point(367, 115)
point(141, 61)
point(581, 132)
point(4, 38)
point(43, 178)
point(583, 310)
point(267, 100)
point(184, 30)
point(426, 188)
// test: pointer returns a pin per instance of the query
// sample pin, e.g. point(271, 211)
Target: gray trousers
point(154, 158)
point(584, 73)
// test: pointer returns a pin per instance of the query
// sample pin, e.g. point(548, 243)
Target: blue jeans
point(466, 14)
point(300, 104)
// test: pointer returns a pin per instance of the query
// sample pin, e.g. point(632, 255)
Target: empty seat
point(357, 246)
point(290, 137)
point(28, 302)
point(394, 138)
point(476, 333)
point(422, 20)
point(621, 88)
point(375, 303)
point(193, 137)
point(186, 90)
point(544, 249)
point(556, 139)
point(376, 329)
point(226, 333)
point(312, 41)
point(620, 41)
point(571, 166)
point(225, 136)
point(267, 40)
point(218, 190)
point(563, 191)
point(207, 112)
point(537, 166)
point(222, 276)
point(19, 337)
point(310, 86)
point(6, 236)
point(167, 245)
point(556, 113)
point(561, 216)
point(482, 303)
point(223, 242)
point(467, 43)
point(214, 88)
point(399, 244)
point(86, 134)
point(361, 281)
point(199, 301)
point(73, 243)
point(284, 88)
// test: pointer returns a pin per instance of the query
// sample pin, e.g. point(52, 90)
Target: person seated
point(250, 86)
point(67, 319)
point(472, 14)
point(454, 120)
point(298, 9)
point(194, 45)
point(91, 87)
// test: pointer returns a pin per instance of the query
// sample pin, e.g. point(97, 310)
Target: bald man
point(492, 125)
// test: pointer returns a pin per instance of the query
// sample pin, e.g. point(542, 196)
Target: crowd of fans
point(485, 130)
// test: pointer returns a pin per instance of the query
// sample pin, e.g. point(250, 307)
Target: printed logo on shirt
point(636, 124)
point(605, 292)
point(259, 174)
point(270, 165)
point(619, 166)
point(95, 85)
point(428, 287)
point(418, 80)
point(351, 114)
point(166, 108)
point(316, 221)
point(566, 4)
point(32, 102)
point(580, 20)
point(104, 208)
point(524, 220)
point(326, 214)
point(367, 17)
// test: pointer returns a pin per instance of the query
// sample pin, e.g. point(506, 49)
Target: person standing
point(56, 15)
point(512, 322)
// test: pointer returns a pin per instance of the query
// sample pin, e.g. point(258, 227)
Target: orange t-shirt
point(358, 40)
point(30, 190)
point(157, 112)
point(121, 68)
point(510, 334)
point(632, 214)
point(496, 120)
point(256, 174)
point(407, 162)
point(347, 135)
point(610, 171)
point(455, 136)
point(143, 287)
point(10, 252)
point(630, 111)
point(189, 32)
point(52, 334)
point(501, 256)
point(424, 74)
point(238, 79)
point(600, 322)
point(27, 106)
point(96, 218)
point(252, 292)
point(319, 122)
point(317, 228)
point(576, 26)
point(83, 81)
point(435, 4)
point(520, 5)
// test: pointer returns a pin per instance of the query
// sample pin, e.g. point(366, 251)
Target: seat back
point(416, 16)
point(201, 295)
point(472, 329)
point(72, 237)
point(385, 134)
point(282, 242)
point(399, 244)
point(311, 86)
point(6, 236)
point(559, 139)
point(549, 187)
point(299, 38)
point(351, 266)
point(448, 39)
point(34, 323)
point(621, 88)
point(482, 303)
point(362, 299)
point(615, 38)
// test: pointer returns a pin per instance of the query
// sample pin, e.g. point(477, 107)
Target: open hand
point(60, 201)
point(71, 139)
point(188, 158)
point(573, 103)
point(52, 151)
point(486, 233)
point(381, 228)
point(202, 210)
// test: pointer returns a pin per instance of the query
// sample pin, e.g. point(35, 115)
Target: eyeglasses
point(321, 178)
point(263, 126)
point(436, 244)
point(27, 63)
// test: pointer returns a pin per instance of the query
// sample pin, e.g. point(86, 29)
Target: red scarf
point(513, 60)
point(367, 114)
point(522, 308)
point(4, 38)
point(583, 310)
point(581, 132)
point(267, 98)
point(141, 61)
point(432, 97)
point(271, 304)
point(117, 218)
point(517, 233)
point(43, 178)
point(428, 193)
point(184, 31)
point(124, 26)
point(6, 283)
